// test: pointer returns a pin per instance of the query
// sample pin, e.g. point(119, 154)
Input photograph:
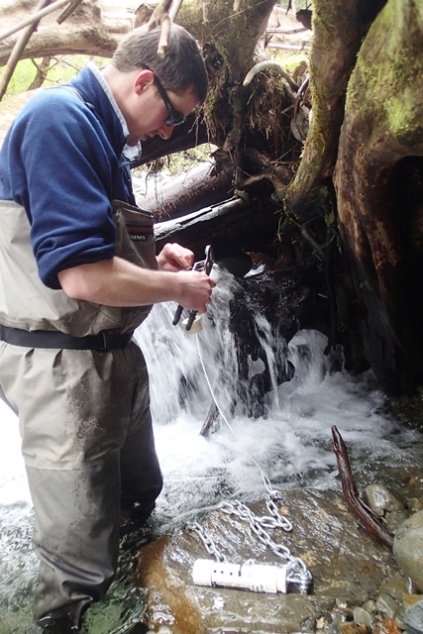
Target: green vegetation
point(60, 70)
point(299, 4)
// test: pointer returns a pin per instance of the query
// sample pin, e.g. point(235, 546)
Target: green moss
point(388, 63)
point(404, 119)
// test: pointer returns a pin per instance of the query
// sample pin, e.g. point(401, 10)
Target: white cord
point(265, 478)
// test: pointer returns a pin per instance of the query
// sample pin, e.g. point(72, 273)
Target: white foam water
point(291, 442)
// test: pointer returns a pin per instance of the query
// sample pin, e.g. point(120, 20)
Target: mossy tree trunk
point(379, 187)
point(338, 26)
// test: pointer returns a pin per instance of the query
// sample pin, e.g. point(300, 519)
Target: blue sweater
point(60, 160)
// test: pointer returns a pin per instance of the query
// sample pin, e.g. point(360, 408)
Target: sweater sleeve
point(64, 168)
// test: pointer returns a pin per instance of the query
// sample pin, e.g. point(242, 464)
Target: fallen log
point(234, 225)
point(188, 192)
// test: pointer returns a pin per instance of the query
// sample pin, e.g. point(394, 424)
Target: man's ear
point(144, 78)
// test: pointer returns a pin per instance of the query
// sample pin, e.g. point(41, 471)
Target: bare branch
point(34, 18)
point(66, 13)
point(164, 37)
point(176, 5)
point(17, 50)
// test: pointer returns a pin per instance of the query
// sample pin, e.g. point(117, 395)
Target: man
point(78, 273)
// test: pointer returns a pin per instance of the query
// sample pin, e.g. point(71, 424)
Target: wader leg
point(79, 415)
point(76, 536)
point(3, 398)
point(140, 472)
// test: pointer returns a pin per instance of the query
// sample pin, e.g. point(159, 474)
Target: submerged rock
point(345, 563)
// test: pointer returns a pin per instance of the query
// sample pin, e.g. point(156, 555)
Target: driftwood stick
point(370, 521)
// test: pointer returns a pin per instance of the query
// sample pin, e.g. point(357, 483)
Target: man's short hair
point(180, 70)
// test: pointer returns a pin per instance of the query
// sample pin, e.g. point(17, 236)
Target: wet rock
point(363, 617)
point(386, 605)
point(381, 500)
point(410, 599)
point(408, 548)
point(395, 519)
point(369, 606)
point(346, 565)
point(415, 484)
point(413, 618)
point(386, 505)
point(396, 587)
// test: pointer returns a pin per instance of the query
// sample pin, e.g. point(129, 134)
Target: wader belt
point(104, 341)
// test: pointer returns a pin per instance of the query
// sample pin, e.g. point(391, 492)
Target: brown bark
point(42, 71)
point(338, 29)
point(378, 181)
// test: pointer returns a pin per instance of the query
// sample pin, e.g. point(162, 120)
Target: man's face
point(151, 110)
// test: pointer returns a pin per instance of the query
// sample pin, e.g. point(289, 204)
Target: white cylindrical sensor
point(254, 577)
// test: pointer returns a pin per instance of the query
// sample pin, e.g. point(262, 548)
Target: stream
point(290, 442)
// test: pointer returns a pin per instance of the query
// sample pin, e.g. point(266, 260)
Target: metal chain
point(207, 541)
point(297, 571)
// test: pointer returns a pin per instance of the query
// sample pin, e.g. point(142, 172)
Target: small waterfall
point(287, 431)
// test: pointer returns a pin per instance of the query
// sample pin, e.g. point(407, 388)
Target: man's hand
point(194, 289)
point(173, 257)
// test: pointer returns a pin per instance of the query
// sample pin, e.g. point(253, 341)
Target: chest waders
point(80, 388)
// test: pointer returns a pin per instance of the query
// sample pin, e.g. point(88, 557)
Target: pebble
point(363, 617)
point(381, 500)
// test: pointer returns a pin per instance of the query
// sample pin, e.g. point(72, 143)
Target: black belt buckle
point(105, 339)
point(112, 339)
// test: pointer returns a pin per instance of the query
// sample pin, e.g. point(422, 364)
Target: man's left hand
point(174, 257)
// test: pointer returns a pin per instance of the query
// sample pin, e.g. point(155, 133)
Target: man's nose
point(166, 131)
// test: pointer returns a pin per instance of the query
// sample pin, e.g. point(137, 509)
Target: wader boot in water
point(60, 622)
point(80, 388)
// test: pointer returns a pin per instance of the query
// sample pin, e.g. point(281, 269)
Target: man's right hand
point(195, 290)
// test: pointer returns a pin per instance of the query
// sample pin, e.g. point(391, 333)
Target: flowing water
point(290, 442)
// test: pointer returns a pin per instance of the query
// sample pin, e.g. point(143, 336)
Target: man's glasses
point(174, 117)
